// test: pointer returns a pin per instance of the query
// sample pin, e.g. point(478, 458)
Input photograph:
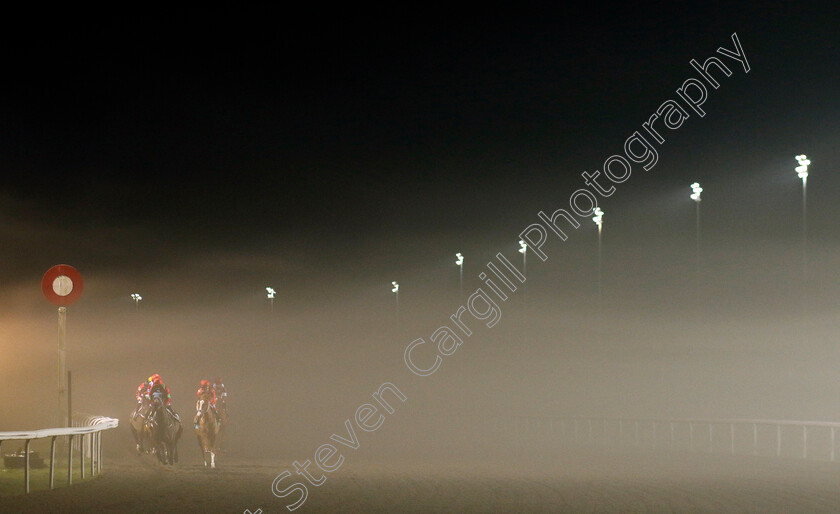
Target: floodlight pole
point(598, 218)
point(697, 203)
point(696, 191)
point(461, 280)
point(523, 249)
point(802, 172)
point(460, 263)
point(396, 290)
point(805, 227)
point(600, 298)
point(270, 293)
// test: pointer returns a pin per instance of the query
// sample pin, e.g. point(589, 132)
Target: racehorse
point(162, 431)
point(223, 430)
point(207, 431)
point(137, 422)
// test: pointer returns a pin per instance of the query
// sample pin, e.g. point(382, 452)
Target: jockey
point(142, 391)
point(207, 393)
point(221, 393)
point(156, 385)
point(141, 395)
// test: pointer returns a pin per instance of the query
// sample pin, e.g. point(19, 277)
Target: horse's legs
point(212, 459)
point(136, 438)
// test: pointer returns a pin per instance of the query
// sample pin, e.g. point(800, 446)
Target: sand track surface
point(567, 482)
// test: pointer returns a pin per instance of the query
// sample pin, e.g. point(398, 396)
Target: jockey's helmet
point(205, 384)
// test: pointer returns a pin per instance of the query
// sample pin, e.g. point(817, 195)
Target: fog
point(744, 341)
point(327, 159)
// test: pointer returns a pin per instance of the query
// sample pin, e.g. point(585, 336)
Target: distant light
point(598, 217)
point(396, 287)
point(271, 292)
point(522, 247)
point(695, 195)
point(460, 260)
point(136, 297)
point(802, 169)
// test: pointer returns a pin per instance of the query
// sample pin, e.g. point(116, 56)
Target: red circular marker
point(62, 285)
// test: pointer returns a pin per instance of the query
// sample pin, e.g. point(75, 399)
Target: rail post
point(26, 465)
point(92, 454)
point(516, 430)
point(52, 463)
point(711, 439)
point(804, 441)
point(70, 460)
point(778, 440)
point(671, 445)
point(654, 434)
point(691, 437)
point(82, 456)
point(732, 438)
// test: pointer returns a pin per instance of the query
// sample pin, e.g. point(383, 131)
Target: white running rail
point(769, 437)
point(91, 426)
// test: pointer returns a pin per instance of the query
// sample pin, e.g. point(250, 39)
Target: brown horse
point(207, 431)
point(137, 424)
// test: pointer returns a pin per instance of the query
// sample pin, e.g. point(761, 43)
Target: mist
point(737, 338)
point(329, 159)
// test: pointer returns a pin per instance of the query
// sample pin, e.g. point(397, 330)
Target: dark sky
point(198, 158)
point(213, 132)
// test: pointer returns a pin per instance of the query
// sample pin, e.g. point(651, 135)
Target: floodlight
point(696, 190)
point(802, 169)
point(598, 217)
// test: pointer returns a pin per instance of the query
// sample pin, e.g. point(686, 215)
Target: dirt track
point(571, 483)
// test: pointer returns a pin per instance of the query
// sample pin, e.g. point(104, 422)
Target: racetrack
point(564, 482)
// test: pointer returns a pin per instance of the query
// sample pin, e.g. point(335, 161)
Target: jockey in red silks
point(141, 395)
point(208, 394)
point(156, 385)
point(144, 392)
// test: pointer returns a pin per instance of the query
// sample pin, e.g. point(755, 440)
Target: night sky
point(212, 133)
point(198, 158)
